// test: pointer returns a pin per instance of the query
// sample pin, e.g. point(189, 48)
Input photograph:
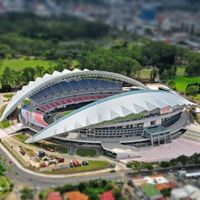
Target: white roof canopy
point(109, 108)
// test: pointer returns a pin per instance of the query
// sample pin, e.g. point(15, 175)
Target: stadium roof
point(109, 108)
point(41, 83)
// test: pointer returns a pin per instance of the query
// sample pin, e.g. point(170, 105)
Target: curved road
point(36, 181)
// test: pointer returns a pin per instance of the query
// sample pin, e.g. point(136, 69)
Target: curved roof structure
point(110, 108)
point(41, 83)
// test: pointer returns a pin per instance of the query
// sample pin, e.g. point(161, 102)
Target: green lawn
point(21, 137)
point(182, 82)
point(29, 152)
point(5, 186)
point(150, 190)
point(19, 64)
point(86, 152)
point(4, 124)
point(16, 154)
point(145, 73)
point(8, 96)
point(197, 97)
point(67, 112)
point(2, 109)
point(93, 165)
point(180, 71)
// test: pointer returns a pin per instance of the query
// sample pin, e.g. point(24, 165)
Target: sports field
point(19, 64)
point(150, 190)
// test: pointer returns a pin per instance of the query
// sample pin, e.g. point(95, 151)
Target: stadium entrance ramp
point(119, 151)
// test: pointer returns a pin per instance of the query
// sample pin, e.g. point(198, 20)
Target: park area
point(182, 82)
point(93, 165)
point(5, 186)
point(54, 159)
point(19, 64)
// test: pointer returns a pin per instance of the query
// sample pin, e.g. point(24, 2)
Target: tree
point(154, 73)
point(2, 169)
point(28, 74)
point(6, 88)
point(149, 166)
point(39, 71)
point(158, 54)
point(195, 158)
point(137, 166)
point(65, 188)
point(192, 90)
point(132, 66)
point(172, 85)
point(173, 162)
point(26, 194)
point(8, 77)
point(82, 187)
point(167, 73)
point(4, 51)
point(117, 194)
point(166, 192)
point(164, 164)
point(182, 159)
point(193, 69)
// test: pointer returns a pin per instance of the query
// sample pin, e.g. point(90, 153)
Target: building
point(108, 195)
point(151, 187)
point(75, 195)
point(91, 107)
point(54, 196)
point(186, 192)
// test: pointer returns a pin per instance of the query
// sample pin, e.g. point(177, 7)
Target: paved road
point(36, 181)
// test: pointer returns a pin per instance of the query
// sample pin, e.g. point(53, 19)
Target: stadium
point(99, 108)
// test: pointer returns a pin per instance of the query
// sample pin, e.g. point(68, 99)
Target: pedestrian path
point(10, 130)
point(3, 134)
point(192, 133)
point(14, 128)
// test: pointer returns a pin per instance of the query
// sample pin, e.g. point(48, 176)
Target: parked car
point(45, 159)
point(22, 152)
point(71, 164)
point(53, 161)
point(85, 162)
point(43, 164)
point(61, 160)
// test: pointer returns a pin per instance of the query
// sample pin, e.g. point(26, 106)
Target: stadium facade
point(91, 107)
